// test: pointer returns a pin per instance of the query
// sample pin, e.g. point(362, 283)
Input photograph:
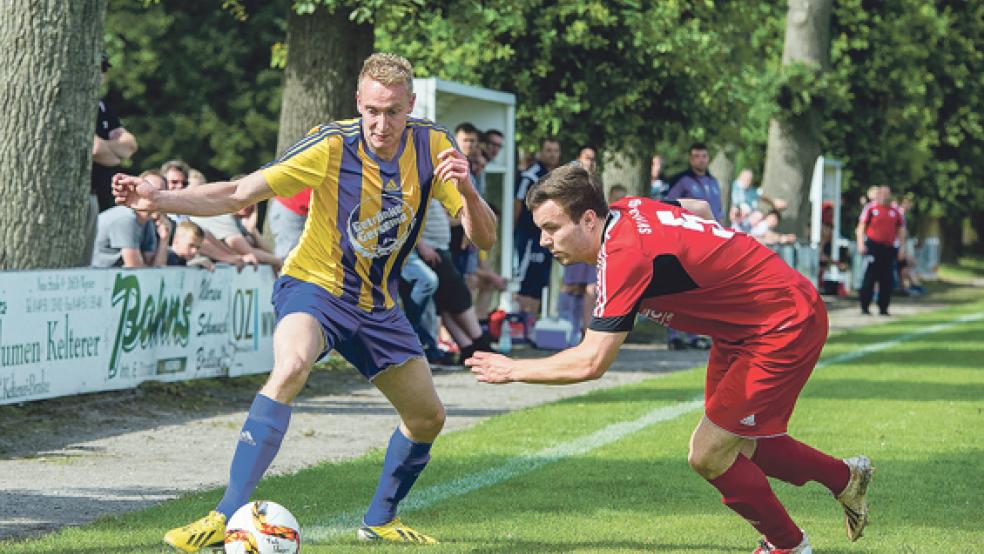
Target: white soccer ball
point(262, 527)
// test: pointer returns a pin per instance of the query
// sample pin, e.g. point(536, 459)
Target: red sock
point(745, 490)
point(788, 459)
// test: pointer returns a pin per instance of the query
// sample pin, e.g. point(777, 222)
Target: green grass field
point(607, 472)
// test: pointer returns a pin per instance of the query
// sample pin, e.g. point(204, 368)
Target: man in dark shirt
point(111, 145)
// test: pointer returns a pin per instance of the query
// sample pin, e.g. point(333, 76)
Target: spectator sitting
point(492, 141)
point(196, 178)
point(745, 196)
point(235, 232)
point(763, 230)
point(186, 242)
point(616, 193)
point(131, 238)
point(657, 186)
point(175, 173)
point(535, 261)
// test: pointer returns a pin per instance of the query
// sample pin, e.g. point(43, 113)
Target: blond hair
point(388, 69)
point(191, 227)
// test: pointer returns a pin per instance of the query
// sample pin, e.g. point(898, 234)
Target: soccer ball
point(262, 528)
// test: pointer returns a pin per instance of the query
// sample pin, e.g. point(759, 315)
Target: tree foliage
point(622, 75)
point(193, 81)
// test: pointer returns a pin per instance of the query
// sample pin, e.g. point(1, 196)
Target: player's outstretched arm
point(477, 218)
point(585, 362)
point(204, 200)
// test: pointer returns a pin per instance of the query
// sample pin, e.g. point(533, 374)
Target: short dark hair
point(545, 140)
point(697, 146)
point(587, 147)
point(573, 188)
point(466, 127)
point(491, 132)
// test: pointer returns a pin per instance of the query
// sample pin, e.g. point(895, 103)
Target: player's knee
point(427, 424)
point(702, 463)
point(291, 369)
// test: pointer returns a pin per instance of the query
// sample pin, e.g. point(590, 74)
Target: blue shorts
point(580, 274)
point(533, 271)
point(371, 342)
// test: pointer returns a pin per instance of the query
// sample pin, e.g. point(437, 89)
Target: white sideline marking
point(346, 522)
point(863, 351)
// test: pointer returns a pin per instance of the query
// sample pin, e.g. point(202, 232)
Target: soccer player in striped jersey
point(673, 263)
point(371, 181)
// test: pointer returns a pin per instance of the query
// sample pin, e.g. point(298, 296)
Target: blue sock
point(258, 444)
point(404, 461)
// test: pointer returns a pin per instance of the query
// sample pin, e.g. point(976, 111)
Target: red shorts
point(752, 386)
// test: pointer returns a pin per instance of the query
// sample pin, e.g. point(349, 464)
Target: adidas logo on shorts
point(748, 421)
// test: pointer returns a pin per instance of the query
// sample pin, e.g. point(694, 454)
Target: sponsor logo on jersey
point(365, 234)
point(662, 318)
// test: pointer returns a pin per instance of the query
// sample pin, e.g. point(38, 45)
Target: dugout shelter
point(449, 104)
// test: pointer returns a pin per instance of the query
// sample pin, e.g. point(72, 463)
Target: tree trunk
point(325, 51)
point(722, 167)
point(49, 70)
point(794, 144)
point(622, 168)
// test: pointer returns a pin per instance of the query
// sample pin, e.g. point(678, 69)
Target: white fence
point(65, 332)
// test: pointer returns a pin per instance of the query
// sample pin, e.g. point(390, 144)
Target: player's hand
point(489, 367)
point(134, 192)
point(163, 225)
point(453, 167)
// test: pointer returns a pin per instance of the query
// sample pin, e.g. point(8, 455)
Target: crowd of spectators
point(448, 285)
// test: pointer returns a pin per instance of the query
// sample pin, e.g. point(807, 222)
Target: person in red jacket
point(880, 232)
point(673, 263)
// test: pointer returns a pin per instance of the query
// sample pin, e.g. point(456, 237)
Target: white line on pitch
point(427, 497)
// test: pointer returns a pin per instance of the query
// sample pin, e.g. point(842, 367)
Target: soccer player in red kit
point(672, 263)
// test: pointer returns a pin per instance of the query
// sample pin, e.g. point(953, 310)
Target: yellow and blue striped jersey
point(366, 213)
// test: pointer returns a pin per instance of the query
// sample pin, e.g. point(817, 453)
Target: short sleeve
point(444, 191)
point(623, 275)
point(125, 232)
point(148, 242)
point(304, 165)
point(865, 214)
point(221, 226)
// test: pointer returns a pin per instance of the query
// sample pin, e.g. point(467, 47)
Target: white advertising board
point(65, 332)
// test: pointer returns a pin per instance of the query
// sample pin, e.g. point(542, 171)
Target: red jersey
point(299, 203)
point(882, 223)
point(680, 270)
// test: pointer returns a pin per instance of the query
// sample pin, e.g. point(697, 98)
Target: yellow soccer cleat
point(394, 531)
point(207, 531)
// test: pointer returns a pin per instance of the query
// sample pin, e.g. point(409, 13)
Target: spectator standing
point(492, 141)
point(533, 269)
point(657, 186)
point(880, 228)
point(696, 183)
point(577, 293)
point(287, 219)
point(111, 146)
